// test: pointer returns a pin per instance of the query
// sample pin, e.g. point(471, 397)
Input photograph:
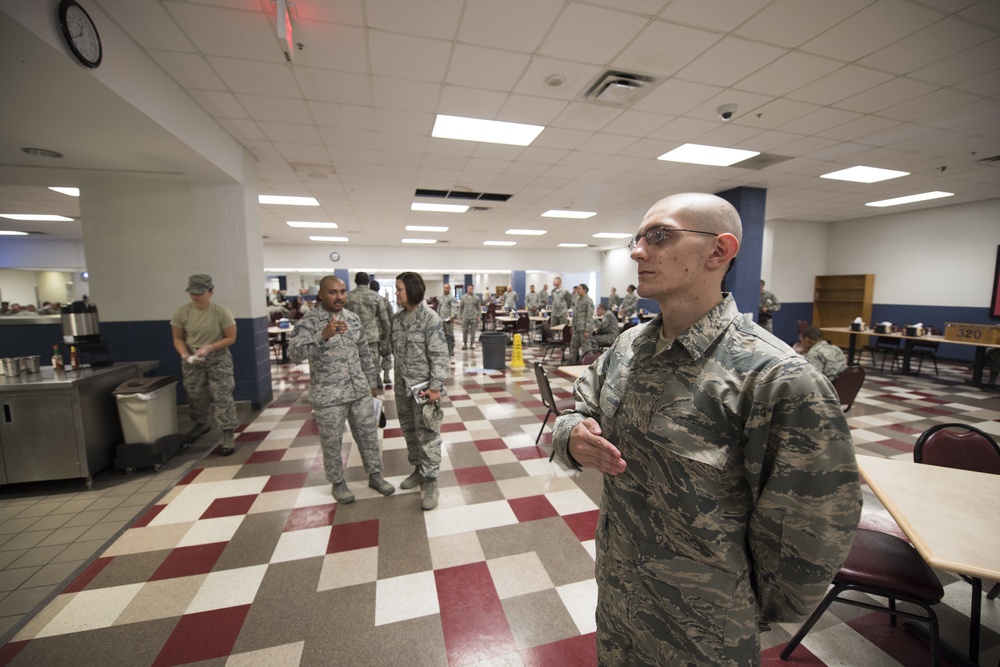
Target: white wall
point(618, 271)
point(795, 255)
point(18, 286)
point(942, 256)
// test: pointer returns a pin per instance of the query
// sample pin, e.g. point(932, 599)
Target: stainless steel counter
point(60, 425)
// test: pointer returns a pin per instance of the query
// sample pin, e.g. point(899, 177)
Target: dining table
point(574, 371)
point(950, 517)
point(282, 334)
point(908, 341)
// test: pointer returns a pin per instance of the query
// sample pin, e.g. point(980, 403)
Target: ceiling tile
point(578, 77)
point(935, 42)
point(231, 33)
point(408, 57)
point(980, 59)
point(777, 113)
point(336, 47)
point(148, 23)
point(718, 15)
point(882, 22)
point(787, 73)
point(281, 132)
point(427, 18)
point(820, 120)
point(682, 130)
point(189, 70)
point(585, 116)
point(590, 34)
point(397, 120)
point(607, 144)
point(859, 128)
point(728, 61)
point(929, 104)
point(242, 130)
point(343, 116)
point(984, 12)
point(347, 12)
point(347, 137)
point(492, 69)
point(460, 101)
point(275, 109)
point(560, 138)
point(845, 82)
point(220, 105)
point(403, 94)
point(245, 76)
point(634, 123)
point(532, 110)
point(790, 23)
point(676, 97)
point(312, 152)
point(331, 86)
point(885, 95)
point(663, 48)
point(517, 25)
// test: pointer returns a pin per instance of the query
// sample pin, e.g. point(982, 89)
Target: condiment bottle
point(57, 359)
point(74, 359)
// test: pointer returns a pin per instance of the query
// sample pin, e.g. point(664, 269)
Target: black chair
point(558, 341)
point(882, 565)
point(848, 384)
point(548, 400)
point(966, 448)
point(589, 357)
point(926, 349)
point(886, 346)
point(523, 327)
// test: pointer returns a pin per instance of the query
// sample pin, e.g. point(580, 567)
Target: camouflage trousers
point(360, 416)
point(555, 319)
point(578, 345)
point(469, 329)
point(421, 426)
point(600, 340)
point(385, 352)
point(449, 336)
point(208, 382)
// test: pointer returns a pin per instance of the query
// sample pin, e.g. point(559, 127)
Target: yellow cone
point(516, 360)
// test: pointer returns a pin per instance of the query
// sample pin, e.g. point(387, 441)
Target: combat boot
point(430, 500)
point(412, 481)
point(342, 494)
point(376, 482)
point(228, 442)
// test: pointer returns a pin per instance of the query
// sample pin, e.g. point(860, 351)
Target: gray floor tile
point(11, 578)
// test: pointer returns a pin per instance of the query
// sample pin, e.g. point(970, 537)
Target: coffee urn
point(81, 328)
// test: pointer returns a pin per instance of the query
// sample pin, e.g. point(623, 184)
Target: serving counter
point(61, 424)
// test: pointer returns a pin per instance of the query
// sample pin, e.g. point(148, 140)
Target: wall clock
point(80, 33)
point(334, 256)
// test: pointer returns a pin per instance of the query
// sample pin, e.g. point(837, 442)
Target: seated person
point(828, 358)
point(607, 327)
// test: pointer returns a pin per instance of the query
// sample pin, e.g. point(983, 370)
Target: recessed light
point(312, 225)
point(72, 192)
point(924, 196)
point(612, 235)
point(439, 208)
point(41, 152)
point(419, 240)
point(488, 131)
point(862, 174)
point(527, 232)
point(572, 245)
point(424, 228)
point(715, 156)
point(499, 242)
point(287, 201)
point(12, 233)
point(563, 213)
point(35, 217)
point(329, 239)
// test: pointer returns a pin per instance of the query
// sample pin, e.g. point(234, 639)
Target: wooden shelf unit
point(838, 300)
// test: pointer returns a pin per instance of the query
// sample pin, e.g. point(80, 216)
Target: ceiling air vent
point(464, 195)
point(995, 160)
point(619, 89)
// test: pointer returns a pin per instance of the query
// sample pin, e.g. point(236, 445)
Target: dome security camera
point(727, 111)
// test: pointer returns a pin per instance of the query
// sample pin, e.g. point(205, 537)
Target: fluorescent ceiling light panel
point(32, 217)
point(439, 208)
point(12, 233)
point(924, 196)
point(499, 242)
point(489, 131)
point(527, 232)
point(715, 156)
point(572, 245)
point(424, 228)
point(287, 201)
point(72, 192)
point(612, 235)
point(312, 225)
point(329, 239)
point(862, 174)
point(575, 215)
point(419, 240)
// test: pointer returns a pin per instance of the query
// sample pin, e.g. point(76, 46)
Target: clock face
point(80, 33)
point(334, 256)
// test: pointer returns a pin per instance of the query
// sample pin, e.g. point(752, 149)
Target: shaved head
point(323, 284)
point(703, 212)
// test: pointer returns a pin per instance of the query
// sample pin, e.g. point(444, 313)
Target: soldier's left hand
point(431, 395)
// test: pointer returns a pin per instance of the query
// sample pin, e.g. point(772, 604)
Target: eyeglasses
point(657, 234)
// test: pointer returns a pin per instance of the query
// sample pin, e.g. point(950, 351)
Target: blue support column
point(744, 279)
point(519, 280)
point(345, 275)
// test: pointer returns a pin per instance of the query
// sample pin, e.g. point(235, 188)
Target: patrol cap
point(200, 283)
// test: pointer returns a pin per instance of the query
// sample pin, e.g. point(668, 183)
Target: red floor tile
point(897, 444)
point(490, 444)
point(203, 636)
point(583, 524)
point(252, 436)
point(392, 433)
point(578, 651)
point(10, 651)
point(801, 657)
point(188, 478)
point(309, 428)
point(529, 453)
point(350, 536)
point(186, 561)
point(311, 517)
point(452, 427)
point(902, 646)
point(148, 516)
point(472, 619)
point(476, 475)
point(85, 577)
point(532, 508)
point(232, 506)
point(267, 456)
point(294, 480)
point(299, 409)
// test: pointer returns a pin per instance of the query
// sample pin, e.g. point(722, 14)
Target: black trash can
point(494, 350)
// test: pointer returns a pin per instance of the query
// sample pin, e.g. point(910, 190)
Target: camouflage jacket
point(614, 300)
point(583, 315)
point(470, 306)
point(740, 498)
point(607, 325)
point(419, 348)
point(448, 308)
point(828, 358)
point(561, 301)
point(365, 303)
point(770, 301)
point(341, 369)
point(630, 304)
point(533, 301)
point(510, 298)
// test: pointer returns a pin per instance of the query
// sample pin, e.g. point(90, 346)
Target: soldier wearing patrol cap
point(731, 493)
point(364, 303)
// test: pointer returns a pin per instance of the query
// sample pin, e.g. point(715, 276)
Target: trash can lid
point(143, 385)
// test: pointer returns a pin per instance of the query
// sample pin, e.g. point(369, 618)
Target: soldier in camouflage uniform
point(510, 298)
point(421, 356)
point(614, 300)
point(342, 383)
point(533, 302)
point(822, 354)
point(545, 296)
point(607, 328)
point(365, 304)
point(583, 323)
point(470, 307)
point(202, 334)
point(384, 349)
point(769, 305)
point(561, 302)
point(630, 304)
point(448, 312)
point(731, 493)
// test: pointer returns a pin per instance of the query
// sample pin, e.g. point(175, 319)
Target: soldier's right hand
point(591, 450)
